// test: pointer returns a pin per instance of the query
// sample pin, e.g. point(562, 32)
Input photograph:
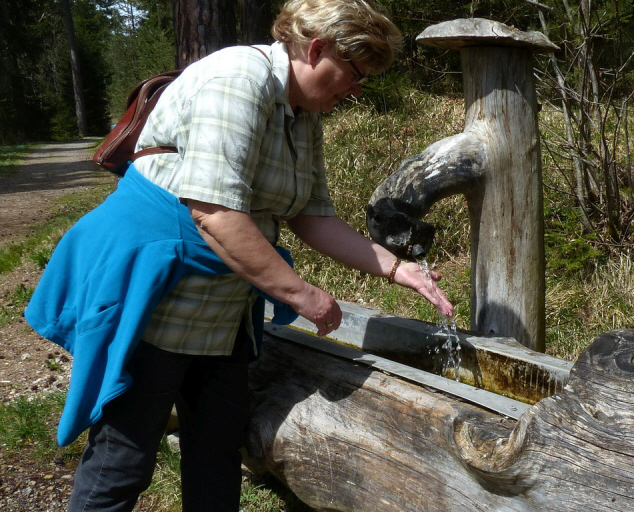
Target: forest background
point(67, 66)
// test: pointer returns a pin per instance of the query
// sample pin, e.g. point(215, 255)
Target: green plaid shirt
point(241, 146)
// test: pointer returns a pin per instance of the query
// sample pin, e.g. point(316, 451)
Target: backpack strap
point(154, 151)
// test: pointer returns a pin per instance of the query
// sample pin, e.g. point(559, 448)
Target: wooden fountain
point(374, 419)
point(495, 163)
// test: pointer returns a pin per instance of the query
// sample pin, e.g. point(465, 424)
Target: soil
point(29, 364)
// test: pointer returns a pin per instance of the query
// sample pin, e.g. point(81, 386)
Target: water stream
point(450, 348)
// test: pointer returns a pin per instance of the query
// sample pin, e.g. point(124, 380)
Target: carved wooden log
point(345, 438)
point(496, 164)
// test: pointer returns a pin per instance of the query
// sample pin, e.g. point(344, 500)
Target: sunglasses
point(361, 77)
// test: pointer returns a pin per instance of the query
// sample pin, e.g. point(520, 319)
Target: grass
point(12, 307)
point(590, 288)
point(27, 430)
point(39, 246)
point(11, 156)
point(28, 433)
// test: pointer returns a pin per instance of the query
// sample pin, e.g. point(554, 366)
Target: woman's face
point(327, 80)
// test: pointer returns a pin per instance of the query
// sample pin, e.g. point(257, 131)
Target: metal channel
point(481, 397)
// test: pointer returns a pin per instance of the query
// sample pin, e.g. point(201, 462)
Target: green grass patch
point(39, 246)
point(12, 307)
point(28, 430)
point(11, 156)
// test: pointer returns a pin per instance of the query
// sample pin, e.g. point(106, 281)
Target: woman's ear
point(315, 50)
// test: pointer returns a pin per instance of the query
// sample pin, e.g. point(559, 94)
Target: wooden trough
point(347, 429)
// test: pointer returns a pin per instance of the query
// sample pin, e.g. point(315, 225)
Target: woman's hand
point(335, 238)
point(411, 275)
point(319, 307)
point(234, 237)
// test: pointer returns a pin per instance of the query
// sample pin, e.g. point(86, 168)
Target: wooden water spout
point(496, 164)
point(345, 433)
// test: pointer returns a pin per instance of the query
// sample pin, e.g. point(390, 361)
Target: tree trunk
point(78, 88)
point(202, 27)
point(256, 21)
point(343, 437)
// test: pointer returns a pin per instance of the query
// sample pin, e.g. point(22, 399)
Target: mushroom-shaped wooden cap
point(457, 34)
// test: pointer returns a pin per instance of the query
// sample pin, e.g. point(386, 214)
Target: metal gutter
point(491, 401)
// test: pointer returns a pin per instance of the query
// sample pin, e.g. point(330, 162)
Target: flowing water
point(450, 349)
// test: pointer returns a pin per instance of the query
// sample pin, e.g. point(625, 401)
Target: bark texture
point(202, 27)
point(345, 438)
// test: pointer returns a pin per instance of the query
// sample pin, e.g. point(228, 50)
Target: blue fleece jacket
point(104, 280)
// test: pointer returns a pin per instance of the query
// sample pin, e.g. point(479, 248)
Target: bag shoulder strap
point(262, 52)
point(152, 84)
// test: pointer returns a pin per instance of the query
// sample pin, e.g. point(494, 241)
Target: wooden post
point(343, 437)
point(496, 164)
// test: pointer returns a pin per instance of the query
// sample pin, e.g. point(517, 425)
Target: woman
point(247, 127)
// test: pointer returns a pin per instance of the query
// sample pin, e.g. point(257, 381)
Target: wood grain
point(344, 438)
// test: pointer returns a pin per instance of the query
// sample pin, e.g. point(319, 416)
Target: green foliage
point(141, 45)
point(23, 41)
point(35, 70)
point(92, 29)
point(569, 251)
point(587, 85)
point(63, 125)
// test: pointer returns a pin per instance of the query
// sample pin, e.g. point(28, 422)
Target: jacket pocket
point(103, 315)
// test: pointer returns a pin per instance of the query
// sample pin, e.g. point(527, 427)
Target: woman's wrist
point(390, 276)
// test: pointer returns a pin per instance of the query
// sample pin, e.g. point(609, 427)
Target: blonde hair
point(357, 29)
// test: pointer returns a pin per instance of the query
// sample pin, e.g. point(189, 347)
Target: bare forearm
point(235, 238)
point(335, 238)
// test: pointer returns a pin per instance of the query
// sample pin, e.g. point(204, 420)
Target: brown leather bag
point(117, 151)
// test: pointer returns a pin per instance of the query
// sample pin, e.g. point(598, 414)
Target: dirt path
point(30, 365)
point(51, 171)
point(27, 198)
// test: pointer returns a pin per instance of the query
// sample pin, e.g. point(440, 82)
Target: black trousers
point(211, 396)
